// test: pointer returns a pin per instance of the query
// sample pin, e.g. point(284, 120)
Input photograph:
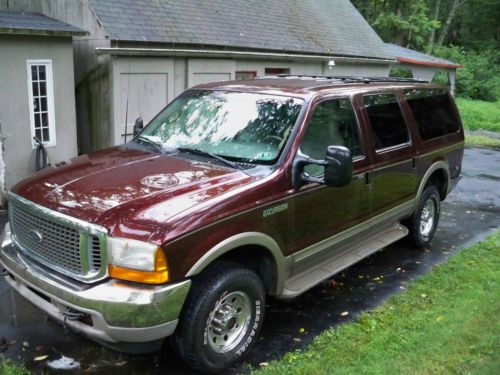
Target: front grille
point(61, 247)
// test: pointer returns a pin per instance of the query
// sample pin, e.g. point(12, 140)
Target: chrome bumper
point(120, 312)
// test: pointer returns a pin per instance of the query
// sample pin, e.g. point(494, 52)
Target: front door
point(319, 211)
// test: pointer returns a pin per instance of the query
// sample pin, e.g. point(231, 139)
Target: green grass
point(445, 323)
point(479, 115)
point(9, 368)
point(481, 140)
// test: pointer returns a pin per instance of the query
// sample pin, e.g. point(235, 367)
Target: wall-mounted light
point(330, 64)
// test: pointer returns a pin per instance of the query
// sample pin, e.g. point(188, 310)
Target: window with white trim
point(41, 101)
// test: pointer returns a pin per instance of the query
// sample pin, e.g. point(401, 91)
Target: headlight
point(136, 261)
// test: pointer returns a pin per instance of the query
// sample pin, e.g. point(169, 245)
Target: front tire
point(423, 223)
point(222, 317)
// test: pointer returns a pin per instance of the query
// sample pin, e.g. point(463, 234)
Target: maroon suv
point(234, 191)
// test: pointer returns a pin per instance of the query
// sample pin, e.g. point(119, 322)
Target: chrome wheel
point(229, 322)
point(427, 218)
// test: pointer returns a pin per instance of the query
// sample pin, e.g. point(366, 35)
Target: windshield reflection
point(241, 126)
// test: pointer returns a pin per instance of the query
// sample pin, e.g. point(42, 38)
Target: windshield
point(245, 127)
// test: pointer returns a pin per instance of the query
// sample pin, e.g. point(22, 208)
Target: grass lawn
point(479, 115)
point(447, 322)
point(481, 140)
point(8, 368)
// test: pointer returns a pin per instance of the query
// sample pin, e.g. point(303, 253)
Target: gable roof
point(35, 24)
point(328, 27)
point(410, 56)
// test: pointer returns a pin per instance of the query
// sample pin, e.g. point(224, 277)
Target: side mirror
point(337, 164)
point(338, 168)
point(138, 126)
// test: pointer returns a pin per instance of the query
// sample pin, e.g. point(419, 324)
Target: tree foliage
point(463, 31)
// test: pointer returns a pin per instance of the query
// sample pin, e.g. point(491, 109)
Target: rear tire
point(221, 319)
point(423, 223)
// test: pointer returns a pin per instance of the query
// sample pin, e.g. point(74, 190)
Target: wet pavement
point(469, 214)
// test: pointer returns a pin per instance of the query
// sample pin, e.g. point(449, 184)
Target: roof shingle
point(331, 27)
point(35, 24)
point(414, 57)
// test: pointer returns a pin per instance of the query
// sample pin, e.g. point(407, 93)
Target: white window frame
point(50, 101)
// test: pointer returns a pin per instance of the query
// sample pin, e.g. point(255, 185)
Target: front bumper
point(119, 312)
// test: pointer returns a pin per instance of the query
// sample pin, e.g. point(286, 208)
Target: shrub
point(480, 76)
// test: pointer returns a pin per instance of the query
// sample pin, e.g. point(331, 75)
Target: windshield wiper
point(197, 151)
point(148, 141)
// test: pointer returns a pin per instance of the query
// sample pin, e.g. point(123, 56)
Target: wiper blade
point(197, 151)
point(148, 141)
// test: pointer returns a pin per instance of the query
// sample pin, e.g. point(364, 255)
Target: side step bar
point(340, 260)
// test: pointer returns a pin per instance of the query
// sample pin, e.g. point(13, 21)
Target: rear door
point(393, 148)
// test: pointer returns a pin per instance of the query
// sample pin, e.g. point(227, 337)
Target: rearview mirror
point(138, 126)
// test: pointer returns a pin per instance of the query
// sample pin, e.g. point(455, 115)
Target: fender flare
point(283, 264)
point(441, 164)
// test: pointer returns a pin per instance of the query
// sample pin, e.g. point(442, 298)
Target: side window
point(332, 124)
point(433, 112)
point(388, 125)
point(41, 101)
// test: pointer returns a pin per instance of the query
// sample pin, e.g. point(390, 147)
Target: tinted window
point(433, 112)
point(333, 124)
point(388, 125)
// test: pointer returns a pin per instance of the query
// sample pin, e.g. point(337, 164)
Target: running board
point(298, 284)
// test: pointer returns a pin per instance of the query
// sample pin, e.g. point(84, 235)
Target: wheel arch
point(438, 170)
point(237, 247)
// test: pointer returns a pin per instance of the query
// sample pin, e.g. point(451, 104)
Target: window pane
point(433, 112)
point(46, 135)
point(333, 124)
point(38, 133)
point(43, 89)
point(41, 72)
point(35, 88)
point(36, 105)
point(43, 104)
point(45, 119)
point(245, 75)
point(34, 73)
point(38, 121)
point(388, 125)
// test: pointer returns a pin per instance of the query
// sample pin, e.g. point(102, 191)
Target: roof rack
point(350, 79)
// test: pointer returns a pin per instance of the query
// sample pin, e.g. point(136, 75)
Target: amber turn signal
point(159, 276)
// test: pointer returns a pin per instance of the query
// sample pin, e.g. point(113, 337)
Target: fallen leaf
point(41, 358)
point(376, 279)
point(345, 313)
point(263, 364)
point(398, 269)
point(26, 344)
point(301, 330)
point(423, 295)
point(297, 339)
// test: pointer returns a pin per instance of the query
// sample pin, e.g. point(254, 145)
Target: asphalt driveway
point(468, 215)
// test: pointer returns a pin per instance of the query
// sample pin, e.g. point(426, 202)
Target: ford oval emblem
point(35, 235)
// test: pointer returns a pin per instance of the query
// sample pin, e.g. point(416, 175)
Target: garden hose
point(42, 160)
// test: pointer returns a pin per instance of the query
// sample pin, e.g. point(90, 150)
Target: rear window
point(387, 121)
point(433, 112)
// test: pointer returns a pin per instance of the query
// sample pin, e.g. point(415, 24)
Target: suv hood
point(122, 182)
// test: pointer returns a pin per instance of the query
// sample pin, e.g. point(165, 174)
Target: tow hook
point(71, 314)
